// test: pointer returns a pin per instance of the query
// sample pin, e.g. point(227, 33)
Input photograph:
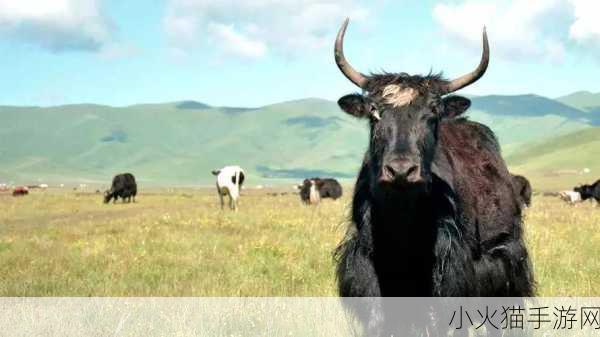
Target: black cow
point(522, 188)
point(320, 188)
point(434, 211)
point(589, 191)
point(123, 186)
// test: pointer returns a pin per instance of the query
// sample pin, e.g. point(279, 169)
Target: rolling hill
point(583, 100)
point(560, 162)
point(181, 142)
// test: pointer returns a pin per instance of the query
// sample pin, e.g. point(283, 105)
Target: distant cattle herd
point(311, 191)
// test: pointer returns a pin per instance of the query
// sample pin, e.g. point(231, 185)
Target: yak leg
point(234, 197)
point(220, 196)
point(231, 206)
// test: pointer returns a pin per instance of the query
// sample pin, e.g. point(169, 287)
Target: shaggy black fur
point(455, 232)
point(124, 186)
point(523, 188)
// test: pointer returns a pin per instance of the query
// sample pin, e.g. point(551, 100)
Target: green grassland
point(178, 243)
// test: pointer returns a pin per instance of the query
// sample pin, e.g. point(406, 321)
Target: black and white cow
point(570, 197)
point(229, 182)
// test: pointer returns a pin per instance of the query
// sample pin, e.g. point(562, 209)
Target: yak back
point(125, 181)
point(329, 188)
point(589, 191)
point(468, 159)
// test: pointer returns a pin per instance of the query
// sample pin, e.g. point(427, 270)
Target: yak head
point(107, 196)
point(404, 112)
point(584, 190)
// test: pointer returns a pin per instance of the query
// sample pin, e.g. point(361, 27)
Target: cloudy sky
point(251, 53)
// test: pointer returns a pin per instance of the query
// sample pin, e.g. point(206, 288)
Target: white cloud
point(518, 30)
point(57, 25)
point(252, 29)
point(524, 29)
point(235, 42)
point(586, 28)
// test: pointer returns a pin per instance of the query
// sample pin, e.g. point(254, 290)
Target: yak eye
point(374, 112)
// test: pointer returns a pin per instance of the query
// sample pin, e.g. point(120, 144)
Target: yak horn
point(473, 76)
point(345, 67)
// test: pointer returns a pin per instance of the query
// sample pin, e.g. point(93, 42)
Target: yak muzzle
point(400, 172)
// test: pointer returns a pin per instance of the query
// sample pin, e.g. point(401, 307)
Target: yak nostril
point(390, 171)
point(413, 170)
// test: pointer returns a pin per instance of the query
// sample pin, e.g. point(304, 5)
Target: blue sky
point(252, 53)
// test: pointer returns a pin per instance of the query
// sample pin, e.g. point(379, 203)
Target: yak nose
point(402, 171)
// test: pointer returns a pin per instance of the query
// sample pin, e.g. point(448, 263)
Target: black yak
point(589, 191)
point(434, 211)
point(123, 186)
point(314, 189)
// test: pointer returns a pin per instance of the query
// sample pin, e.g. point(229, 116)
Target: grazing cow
point(20, 191)
point(571, 197)
point(434, 211)
point(522, 188)
point(123, 186)
point(589, 191)
point(314, 189)
point(309, 192)
point(229, 182)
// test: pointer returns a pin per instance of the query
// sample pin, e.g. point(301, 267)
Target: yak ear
point(455, 106)
point(216, 172)
point(356, 105)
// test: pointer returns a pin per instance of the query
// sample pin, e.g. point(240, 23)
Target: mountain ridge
point(275, 143)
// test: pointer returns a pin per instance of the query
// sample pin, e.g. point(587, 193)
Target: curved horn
point(476, 74)
point(345, 67)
